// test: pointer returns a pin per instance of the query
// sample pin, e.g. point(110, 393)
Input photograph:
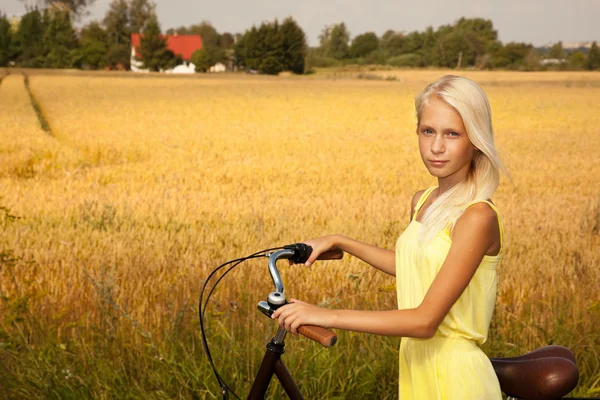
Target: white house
point(218, 67)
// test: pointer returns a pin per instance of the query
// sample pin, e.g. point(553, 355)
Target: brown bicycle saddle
point(547, 373)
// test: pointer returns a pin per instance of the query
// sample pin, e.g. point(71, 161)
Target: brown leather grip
point(323, 336)
point(336, 254)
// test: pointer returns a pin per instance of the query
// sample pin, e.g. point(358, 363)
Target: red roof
point(183, 45)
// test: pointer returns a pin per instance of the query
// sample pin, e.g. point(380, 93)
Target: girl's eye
point(453, 134)
point(427, 131)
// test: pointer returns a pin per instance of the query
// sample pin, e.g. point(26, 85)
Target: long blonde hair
point(483, 178)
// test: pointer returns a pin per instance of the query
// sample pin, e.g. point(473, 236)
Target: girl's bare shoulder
point(415, 200)
point(482, 218)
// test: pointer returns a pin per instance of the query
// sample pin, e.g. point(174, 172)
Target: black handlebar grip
point(303, 251)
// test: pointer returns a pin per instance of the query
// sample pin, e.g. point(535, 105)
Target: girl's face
point(444, 144)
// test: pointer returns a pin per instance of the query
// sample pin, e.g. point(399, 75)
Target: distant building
point(572, 45)
point(553, 61)
point(181, 45)
point(218, 67)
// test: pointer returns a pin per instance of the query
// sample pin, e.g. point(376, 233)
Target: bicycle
point(547, 373)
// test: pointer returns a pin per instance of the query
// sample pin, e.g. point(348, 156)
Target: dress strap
point(422, 200)
point(500, 225)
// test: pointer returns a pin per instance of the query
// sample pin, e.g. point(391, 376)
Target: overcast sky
point(533, 21)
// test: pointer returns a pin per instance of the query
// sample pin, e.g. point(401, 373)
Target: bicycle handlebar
point(298, 253)
point(285, 253)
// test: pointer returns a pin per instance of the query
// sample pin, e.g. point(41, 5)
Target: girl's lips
point(438, 162)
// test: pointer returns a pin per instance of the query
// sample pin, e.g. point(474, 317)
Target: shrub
point(406, 60)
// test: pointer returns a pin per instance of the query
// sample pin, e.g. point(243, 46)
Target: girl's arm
point(474, 233)
point(382, 259)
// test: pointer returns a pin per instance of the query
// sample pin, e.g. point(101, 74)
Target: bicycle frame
point(548, 372)
point(272, 363)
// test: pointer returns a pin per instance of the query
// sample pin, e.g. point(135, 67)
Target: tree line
point(46, 38)
point(468, 43)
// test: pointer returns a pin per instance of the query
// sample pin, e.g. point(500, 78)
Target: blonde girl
point(444, 262)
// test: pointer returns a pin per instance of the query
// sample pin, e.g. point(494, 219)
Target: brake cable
point(225, 389)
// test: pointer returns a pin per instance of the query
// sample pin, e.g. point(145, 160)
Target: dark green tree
point(153, 47)
point(386, 37)
point(411, 50)
point(116, 22)
point(269, 46)
point(397, 43)
point(139, 13)
point(94, 31)
point(252, 52)
point(482, 28)
point(6, 45)
point(324, 38)
point(531, 61)
point(239, 50)
point(245, 49)
point(556, 51)
point(60, 41)
point(427, 45)
point(364, 44)
point(484, 61)
point(577, 60)
point(270, 65)
point(119, 55)
point(392, 43)
point(93, 42)
point(593, 57)
point(456, 49)
point(208, 33)
point(338, 41)
point(28, 41)
point(511, 56)
point(294, 47)
point(77, 8)
point(467, 43)
point(226, 40)
point(200, 60)
point(123, 18)
point(210, 40)
point(272, 48)
point(413, 43)
point(214, 54)
point(334, 41)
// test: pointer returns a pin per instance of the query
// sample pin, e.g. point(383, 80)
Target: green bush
point(200, 60)
point(325, 62)
point(406, 60)
point(270, 65)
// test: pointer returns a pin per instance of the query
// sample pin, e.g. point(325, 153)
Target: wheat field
point(112, 219)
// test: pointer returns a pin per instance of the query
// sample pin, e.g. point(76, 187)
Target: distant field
point(143, 186)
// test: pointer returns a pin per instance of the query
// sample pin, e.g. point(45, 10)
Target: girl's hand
point(297, 313)
point(320, 246)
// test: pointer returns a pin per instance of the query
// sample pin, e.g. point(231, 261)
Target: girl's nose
point(437, 144)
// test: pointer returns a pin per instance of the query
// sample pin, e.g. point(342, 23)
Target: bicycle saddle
point(547, 373)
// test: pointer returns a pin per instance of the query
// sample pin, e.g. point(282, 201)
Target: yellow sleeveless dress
point(450, 365)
